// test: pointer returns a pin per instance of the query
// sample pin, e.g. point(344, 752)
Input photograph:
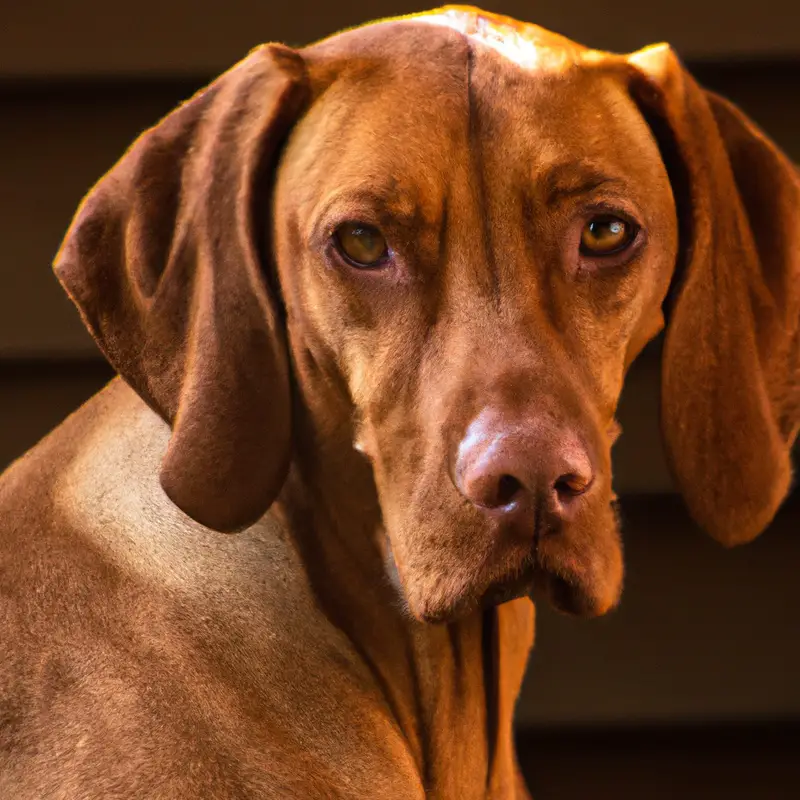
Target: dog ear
point(731, 364)
point(164, 262)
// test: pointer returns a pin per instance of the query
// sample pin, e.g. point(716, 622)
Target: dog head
point(448, 236)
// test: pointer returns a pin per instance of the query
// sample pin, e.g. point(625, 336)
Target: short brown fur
point(365, 632)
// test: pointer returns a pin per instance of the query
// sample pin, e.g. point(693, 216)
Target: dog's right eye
point(361, 245)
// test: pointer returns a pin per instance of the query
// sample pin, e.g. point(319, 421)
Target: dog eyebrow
point(575, 179)
point(365, 204)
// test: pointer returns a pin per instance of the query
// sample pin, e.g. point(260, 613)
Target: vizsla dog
point(372, 303)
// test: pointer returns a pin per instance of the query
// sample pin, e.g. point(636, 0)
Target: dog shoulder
point(126, 616)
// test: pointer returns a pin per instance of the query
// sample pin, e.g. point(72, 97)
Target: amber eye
point(361, 245)
point(602, 236)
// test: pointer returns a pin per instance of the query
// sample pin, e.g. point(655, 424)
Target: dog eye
point(602, 236)
point(361, 245)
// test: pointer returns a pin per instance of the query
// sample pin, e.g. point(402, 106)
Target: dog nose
point(509, 470)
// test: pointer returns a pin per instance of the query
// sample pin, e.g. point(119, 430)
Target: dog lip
point(565, 595)
point(531, 577)
point(505, 591)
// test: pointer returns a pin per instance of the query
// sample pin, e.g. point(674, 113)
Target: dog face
point(474, 226)
point(479, 266)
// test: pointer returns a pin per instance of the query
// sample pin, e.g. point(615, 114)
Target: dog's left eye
point(362, 246)
point(602, 236)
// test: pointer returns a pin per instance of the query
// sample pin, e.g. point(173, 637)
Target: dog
point(372, 303)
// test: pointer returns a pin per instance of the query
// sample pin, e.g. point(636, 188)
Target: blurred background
point(692, 688)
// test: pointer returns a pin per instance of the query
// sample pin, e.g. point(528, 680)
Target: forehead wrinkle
point(386, 169)
point(356, 131)
point(483, 268)
point(366, 202)
point(607, 148)
point(573, 179)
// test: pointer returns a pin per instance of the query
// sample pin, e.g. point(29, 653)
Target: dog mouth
point(529, 579)
point(510, 589)
point(573, 584)
point(538, 582)
point(524, 580)
point(576, 578)
point(564, 593)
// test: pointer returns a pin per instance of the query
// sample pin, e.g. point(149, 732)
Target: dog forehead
point(525, 44)
point(412, 92)
point(446, 59)
point(421, 37)
point(429, 37)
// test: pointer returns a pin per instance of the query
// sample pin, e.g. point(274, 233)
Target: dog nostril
point(571, 485)
point(508, 487)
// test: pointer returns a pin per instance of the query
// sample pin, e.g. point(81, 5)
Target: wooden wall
point(703, 634)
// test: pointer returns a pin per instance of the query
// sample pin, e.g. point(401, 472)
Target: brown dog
point(372, 303)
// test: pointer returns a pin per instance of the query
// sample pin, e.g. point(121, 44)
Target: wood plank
point(180, 37)
point(705, 762)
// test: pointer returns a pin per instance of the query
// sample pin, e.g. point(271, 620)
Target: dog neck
point(451, 687)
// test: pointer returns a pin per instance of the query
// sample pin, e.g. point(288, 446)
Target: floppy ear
point(163, 260)
point(731, 363)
